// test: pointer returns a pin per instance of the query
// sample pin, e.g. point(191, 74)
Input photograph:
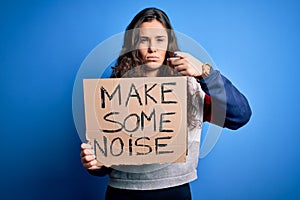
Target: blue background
point(43, 43)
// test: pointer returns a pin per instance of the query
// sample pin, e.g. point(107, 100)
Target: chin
point(153, 65)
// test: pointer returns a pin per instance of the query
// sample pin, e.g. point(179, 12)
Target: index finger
point(181, 54)
point(85, 146)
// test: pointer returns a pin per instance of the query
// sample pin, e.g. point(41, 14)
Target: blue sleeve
point(100, 172)
point(229, 107)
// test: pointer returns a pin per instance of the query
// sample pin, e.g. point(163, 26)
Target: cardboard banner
point(135, 121)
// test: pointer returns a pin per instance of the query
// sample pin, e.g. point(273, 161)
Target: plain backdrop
point(43, 43)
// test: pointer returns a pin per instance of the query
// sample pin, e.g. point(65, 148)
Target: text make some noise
point(135, 117)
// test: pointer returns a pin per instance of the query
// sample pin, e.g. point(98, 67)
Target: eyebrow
point(159, 36)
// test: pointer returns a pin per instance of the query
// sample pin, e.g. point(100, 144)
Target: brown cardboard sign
point(135, 121)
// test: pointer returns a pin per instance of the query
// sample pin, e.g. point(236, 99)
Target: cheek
point(142, 52)
point(161, 46)
point(163, 50)
point(162, 54)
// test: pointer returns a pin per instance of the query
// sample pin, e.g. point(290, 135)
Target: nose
point(152, 47)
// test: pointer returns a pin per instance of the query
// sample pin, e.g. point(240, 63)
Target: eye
point(144, 40)
point(160, 39)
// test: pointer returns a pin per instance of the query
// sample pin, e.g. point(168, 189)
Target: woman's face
point(153, 45)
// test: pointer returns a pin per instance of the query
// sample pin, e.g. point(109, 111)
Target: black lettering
point(137, 124)
point(143, 145)
point(104, 92)
point(162, 121)
point(163, 91)
point(112, 121)
point(147, 95)
point(130, 145)
point(137, 95)
point(102, 150)
point(157, 145)
point(121, 146)
point(143, 116)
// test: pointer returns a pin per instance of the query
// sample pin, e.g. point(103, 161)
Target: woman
point(150, 49)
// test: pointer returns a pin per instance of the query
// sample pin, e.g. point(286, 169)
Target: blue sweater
point(229, 107)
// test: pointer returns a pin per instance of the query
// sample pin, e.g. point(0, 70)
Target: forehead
point(152, 28)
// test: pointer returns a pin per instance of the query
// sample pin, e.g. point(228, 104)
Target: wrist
point(205, 72)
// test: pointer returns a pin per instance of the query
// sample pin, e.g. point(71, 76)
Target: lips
point(152, 58)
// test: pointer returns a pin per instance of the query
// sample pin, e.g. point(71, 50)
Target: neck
point(153, 73)
point(150, 71)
